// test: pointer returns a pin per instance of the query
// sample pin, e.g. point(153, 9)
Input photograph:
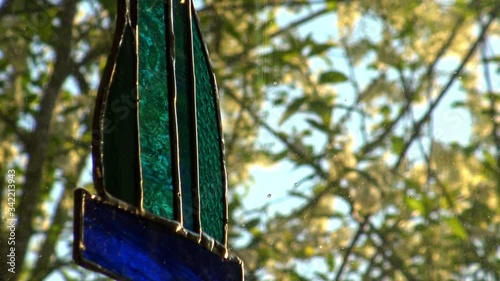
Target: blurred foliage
point(366, 104)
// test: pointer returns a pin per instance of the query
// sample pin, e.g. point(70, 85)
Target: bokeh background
point(362, 137)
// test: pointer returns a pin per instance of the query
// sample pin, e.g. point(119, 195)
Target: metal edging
point(182, 9)
point(133, 26)
point(172, 101)
point(195, 187)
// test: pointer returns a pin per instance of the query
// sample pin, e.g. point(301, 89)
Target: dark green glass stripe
point(185, 103)
point(119, 132)
point(156, 163)
point(211, 171)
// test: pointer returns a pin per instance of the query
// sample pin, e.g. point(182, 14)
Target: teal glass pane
point(155, 148)
point(119, 133)
point(211, 170)
point(186, 134)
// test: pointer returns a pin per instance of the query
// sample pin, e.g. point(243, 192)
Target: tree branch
point(47, 252)
point(396, 262)
point(292, 147)
point(456, 73)
point(236, 58)
point(495, 134)
point(37, 147)
point(428, 74)
point(349, 249)
point(252, 5)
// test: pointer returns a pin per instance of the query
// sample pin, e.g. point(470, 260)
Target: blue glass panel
point(130, 247)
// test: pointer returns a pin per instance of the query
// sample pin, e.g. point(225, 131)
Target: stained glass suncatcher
point(160, 212)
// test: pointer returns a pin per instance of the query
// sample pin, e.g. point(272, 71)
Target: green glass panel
point(155, 150)
point(212, 197)
point(119, 133)
point(183, 112)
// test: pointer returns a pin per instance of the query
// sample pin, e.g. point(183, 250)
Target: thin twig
point(410, 94)
point(255, 5)
point(396, 262)
point(236, 58)
point(349, 249)
point(492, 110)
point(455, 75)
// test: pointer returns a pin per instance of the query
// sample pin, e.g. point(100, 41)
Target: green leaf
point(456, 228)
point(279, 101)
point(252, 223)
point(317, 125)
point(416, 205)
point(385, 110)
point(413, 184)
point(331, 5)
point(330, 260)
point(322, 109)
point(397, 144)
point(298, 194)
point(332, 77)
point(317, 49)
point(458, 103)
point(489, 159)
point(292, 109)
